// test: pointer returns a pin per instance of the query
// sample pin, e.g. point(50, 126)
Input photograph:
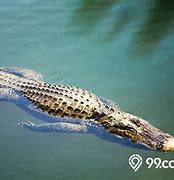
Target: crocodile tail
point(22, 72)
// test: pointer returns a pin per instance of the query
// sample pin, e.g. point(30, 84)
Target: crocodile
point(74, 109)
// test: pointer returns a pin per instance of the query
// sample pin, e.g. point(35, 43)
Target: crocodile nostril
point(169, 145)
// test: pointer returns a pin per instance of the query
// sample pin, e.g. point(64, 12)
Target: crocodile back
point(57, 100)
point(64, 101)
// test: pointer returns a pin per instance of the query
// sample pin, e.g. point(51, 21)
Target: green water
point(117, 49)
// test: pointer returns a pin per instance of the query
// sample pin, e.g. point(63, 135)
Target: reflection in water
point(125, 17)
point(157, 23)
point(89, 13)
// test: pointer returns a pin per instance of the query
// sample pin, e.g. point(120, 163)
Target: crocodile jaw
point(140, 131)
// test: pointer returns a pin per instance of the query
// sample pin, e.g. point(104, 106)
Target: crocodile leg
point(55, 127)
point(7, 94)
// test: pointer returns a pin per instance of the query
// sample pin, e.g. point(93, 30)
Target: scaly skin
point(77, 103)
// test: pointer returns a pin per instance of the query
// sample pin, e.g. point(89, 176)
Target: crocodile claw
point(27, 124)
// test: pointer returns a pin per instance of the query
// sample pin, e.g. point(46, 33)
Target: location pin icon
point(135, 161)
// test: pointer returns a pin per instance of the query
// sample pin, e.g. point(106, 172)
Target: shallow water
point(119, 50)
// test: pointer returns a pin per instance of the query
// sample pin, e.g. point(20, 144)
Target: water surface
point(118, 49)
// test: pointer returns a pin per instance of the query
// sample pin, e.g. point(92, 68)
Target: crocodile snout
point(140, 131)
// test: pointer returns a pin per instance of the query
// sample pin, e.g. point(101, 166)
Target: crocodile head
point(139, 130)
